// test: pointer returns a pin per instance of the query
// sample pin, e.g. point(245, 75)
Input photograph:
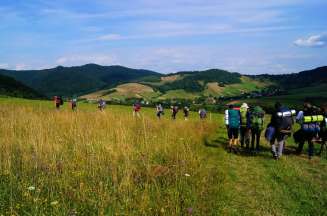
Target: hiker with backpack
point(257, 122)
point(202, 114)
point(310, 122)
point(73, 103)
point(101, 104)
point(281, 122)
point(323, 131)
point(160, 111)
point(58, 102)
point(186, 111)
point(174, 110)
point(136, 110)
point(245, 126)
point(234, 120)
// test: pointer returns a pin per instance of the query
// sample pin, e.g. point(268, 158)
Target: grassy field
point(108, 163)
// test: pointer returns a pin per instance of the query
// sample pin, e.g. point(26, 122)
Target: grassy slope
point(247, 85)
point(212, 89)
point(128, 90)
point(118, 165)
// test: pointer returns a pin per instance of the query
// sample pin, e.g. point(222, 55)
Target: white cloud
point(312, 41)
point(73, 60)
point(4, 66)
point(110, 37)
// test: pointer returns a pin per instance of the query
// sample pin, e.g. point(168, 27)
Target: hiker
point(202, 114)
point(74, 103)
point(186, 111)
point(310, 121)
point(245, 126)
point(174, 110)
point(234, 118)
point(101, 104)
point(281, 122)
point(136, 109)
point(256, 124)
point(58, 101)
point(323, 130)
point(160, 111)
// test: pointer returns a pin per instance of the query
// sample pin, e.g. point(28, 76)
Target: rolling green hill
point(9, 87)
point(186, 85)
point(93, 81)
point(67, 81)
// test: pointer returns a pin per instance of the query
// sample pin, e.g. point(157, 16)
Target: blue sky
point(271, 36)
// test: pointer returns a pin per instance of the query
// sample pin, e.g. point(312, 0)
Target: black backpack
point(284, 120)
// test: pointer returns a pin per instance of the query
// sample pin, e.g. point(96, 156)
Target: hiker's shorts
point(233, 133)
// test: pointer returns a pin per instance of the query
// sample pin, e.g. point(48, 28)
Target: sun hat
point(245, 105)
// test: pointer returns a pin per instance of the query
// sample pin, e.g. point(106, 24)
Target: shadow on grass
point(265, 150)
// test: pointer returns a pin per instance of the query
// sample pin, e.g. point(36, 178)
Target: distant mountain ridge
point(76, 80)
point(298, 80)
point(109, 80)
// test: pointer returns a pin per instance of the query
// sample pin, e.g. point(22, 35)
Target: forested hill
point(123, 82)
point(9, 87)
point(76, 80)
point(298, 80)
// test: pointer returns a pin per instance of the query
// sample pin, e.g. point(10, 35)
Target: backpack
point(243, 112)
point(257, 116)
point(203, 113)
point(284, 120)
point(234, 118)
point(270, 133)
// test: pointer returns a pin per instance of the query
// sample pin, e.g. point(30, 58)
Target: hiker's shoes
point(275, 156)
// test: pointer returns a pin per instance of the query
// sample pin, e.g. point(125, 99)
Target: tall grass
point(108, 163)
point(97, 163)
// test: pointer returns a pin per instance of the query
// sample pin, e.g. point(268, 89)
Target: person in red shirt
point(136, 110)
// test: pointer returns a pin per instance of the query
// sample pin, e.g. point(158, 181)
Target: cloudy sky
point(271, 36)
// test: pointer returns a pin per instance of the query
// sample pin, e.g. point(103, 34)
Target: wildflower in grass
point(190, 211)
point(187, 175)
point(54, 203)
point(31, 188)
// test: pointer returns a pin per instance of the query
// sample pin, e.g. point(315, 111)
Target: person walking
point(257, 122)
point(160, 111)
point(101, 104)
point(174, 110)
point(186, 111)
point(282, 122)
point(234, 120)
point(202, 114)
point(245, 125)
point(323, 131)
point(310, 122)
point(136, 110)
point(73, 103)
point(58, 102)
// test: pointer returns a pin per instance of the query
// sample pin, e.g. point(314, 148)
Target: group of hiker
point(175, 109)
point(248, 123)
point(245, 124)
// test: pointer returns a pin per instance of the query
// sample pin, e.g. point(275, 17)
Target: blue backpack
point(234, 118)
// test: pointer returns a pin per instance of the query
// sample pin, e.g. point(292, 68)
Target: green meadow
point(108, 163)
